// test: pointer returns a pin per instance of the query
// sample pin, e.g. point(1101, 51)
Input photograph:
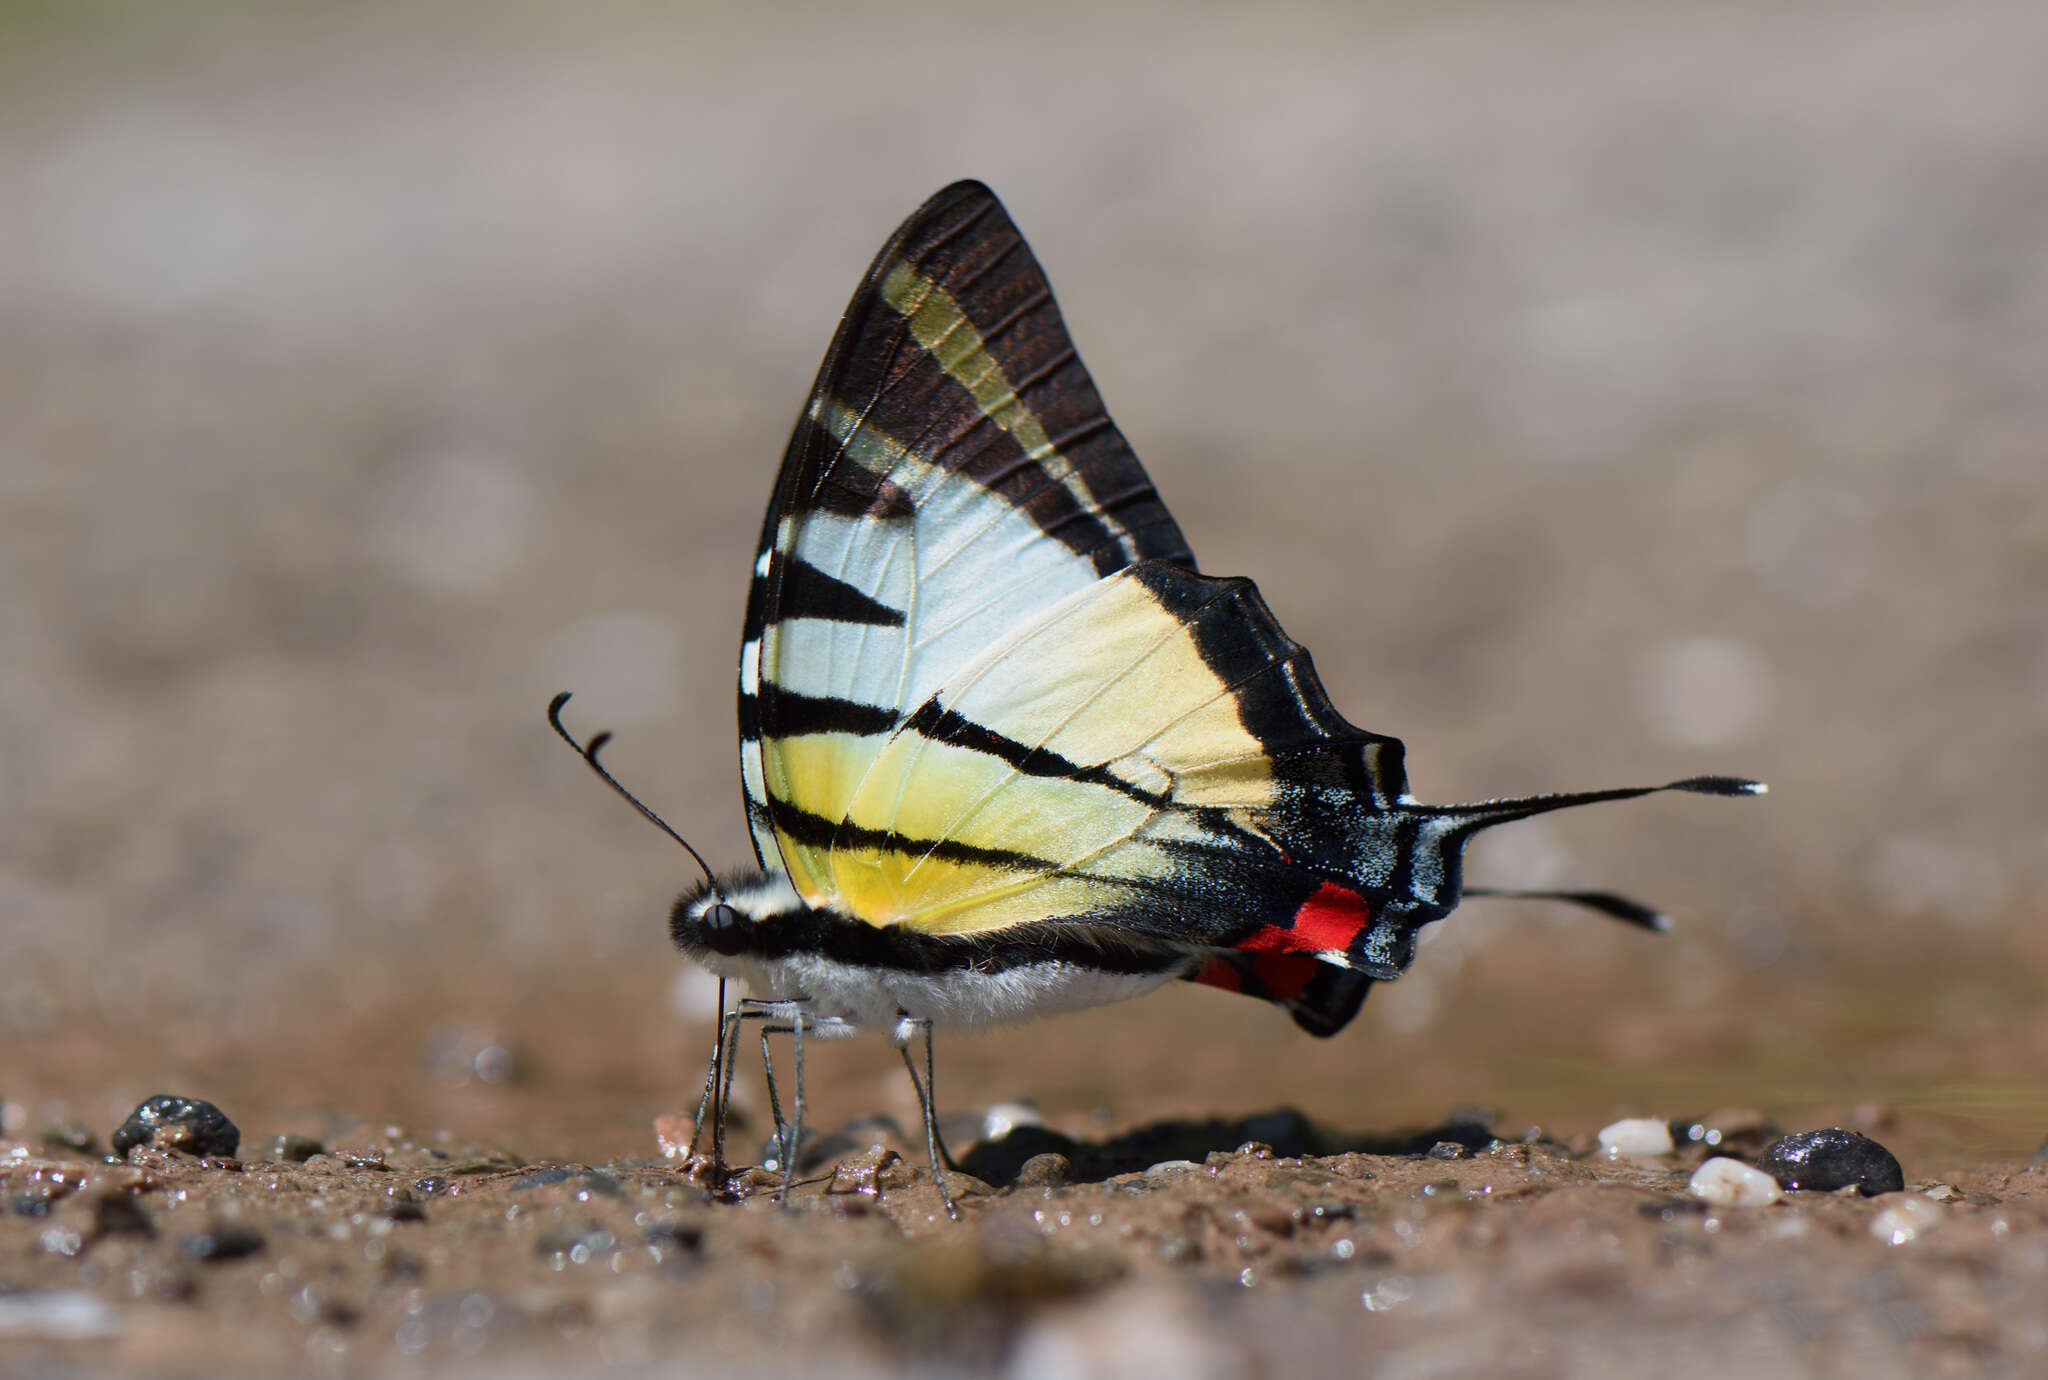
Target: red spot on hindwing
point(1285, 976)
point(1218, 972)
point(1328, 920)
point(1270, 976)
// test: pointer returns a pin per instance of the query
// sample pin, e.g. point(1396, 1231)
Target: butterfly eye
point(723, 930)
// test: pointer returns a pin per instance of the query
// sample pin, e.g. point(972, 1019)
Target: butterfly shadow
point(1284, 1133)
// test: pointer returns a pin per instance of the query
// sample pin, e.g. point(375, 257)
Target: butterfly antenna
point(1484, 814)
point(589, 756)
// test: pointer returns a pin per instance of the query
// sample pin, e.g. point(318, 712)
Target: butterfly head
point(735, 917)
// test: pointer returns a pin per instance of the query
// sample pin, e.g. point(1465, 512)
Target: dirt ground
point(1259, 1246)
point(1605, 394)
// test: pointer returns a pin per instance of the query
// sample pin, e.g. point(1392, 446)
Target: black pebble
point(674, 1236)
point(120, 1216)
point(223, 1243)
point(1832, 1159)
point(210, 1131)
point(1672, 1210)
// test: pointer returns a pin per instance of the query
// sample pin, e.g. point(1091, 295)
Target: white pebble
point(1904, 1217)
point(66, 1315)
point(1004, 1117)
point(1636, 1136)
point(1731, 1183)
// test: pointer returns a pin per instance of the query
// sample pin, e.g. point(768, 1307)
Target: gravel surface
point(417, 1254)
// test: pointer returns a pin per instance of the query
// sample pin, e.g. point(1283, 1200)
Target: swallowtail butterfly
point(1005, 750)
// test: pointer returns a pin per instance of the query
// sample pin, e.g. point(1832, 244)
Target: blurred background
point(1605, 393)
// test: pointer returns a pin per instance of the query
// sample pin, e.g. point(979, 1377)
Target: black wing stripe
point(814, 830)
point(787, 714)
point(808, 592)
point(1279, 696)
point(850, 489)
point(944, 726)
point(893, 947)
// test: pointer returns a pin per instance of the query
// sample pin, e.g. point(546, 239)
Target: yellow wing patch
point(952, 838)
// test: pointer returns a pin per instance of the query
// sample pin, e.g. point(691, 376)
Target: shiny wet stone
point(1833, 1159)
point(178, 1123)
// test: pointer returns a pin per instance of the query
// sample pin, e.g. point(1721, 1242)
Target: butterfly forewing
point(953, 474)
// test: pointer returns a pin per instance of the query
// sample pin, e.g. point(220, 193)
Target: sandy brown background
point(1605, 393)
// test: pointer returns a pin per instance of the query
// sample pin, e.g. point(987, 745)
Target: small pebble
point(68, 1315)
point(1671, 1210)
point(1731, 1183)
point(70, 1135)
point(1832, 1159)
point(117, 1214)
point(1049, 1170)
point(221, 1244)
point(1004, 1117)
point(1170, 1169)
point(178, 1123)
point(290, 1148)
point(400, 1206)
point(674, 1236)
point(871, 1174)
point(673, 1135)
point(1903, 1219)
point(1644, 1136)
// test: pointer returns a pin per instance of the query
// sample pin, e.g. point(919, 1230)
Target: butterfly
point(1005, 750)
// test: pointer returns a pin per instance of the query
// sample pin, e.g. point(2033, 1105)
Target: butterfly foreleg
point(717, 1088)
point(926, 1100)
point(711, 1072)
point(796, 1109)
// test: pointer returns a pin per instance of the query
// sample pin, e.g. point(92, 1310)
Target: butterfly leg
point(796, 1106)
point(772, 1012)
point(941, 1161)
point(710, 1072)
point(717, 1095)
point(782, 1141)
point(731, 1030)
